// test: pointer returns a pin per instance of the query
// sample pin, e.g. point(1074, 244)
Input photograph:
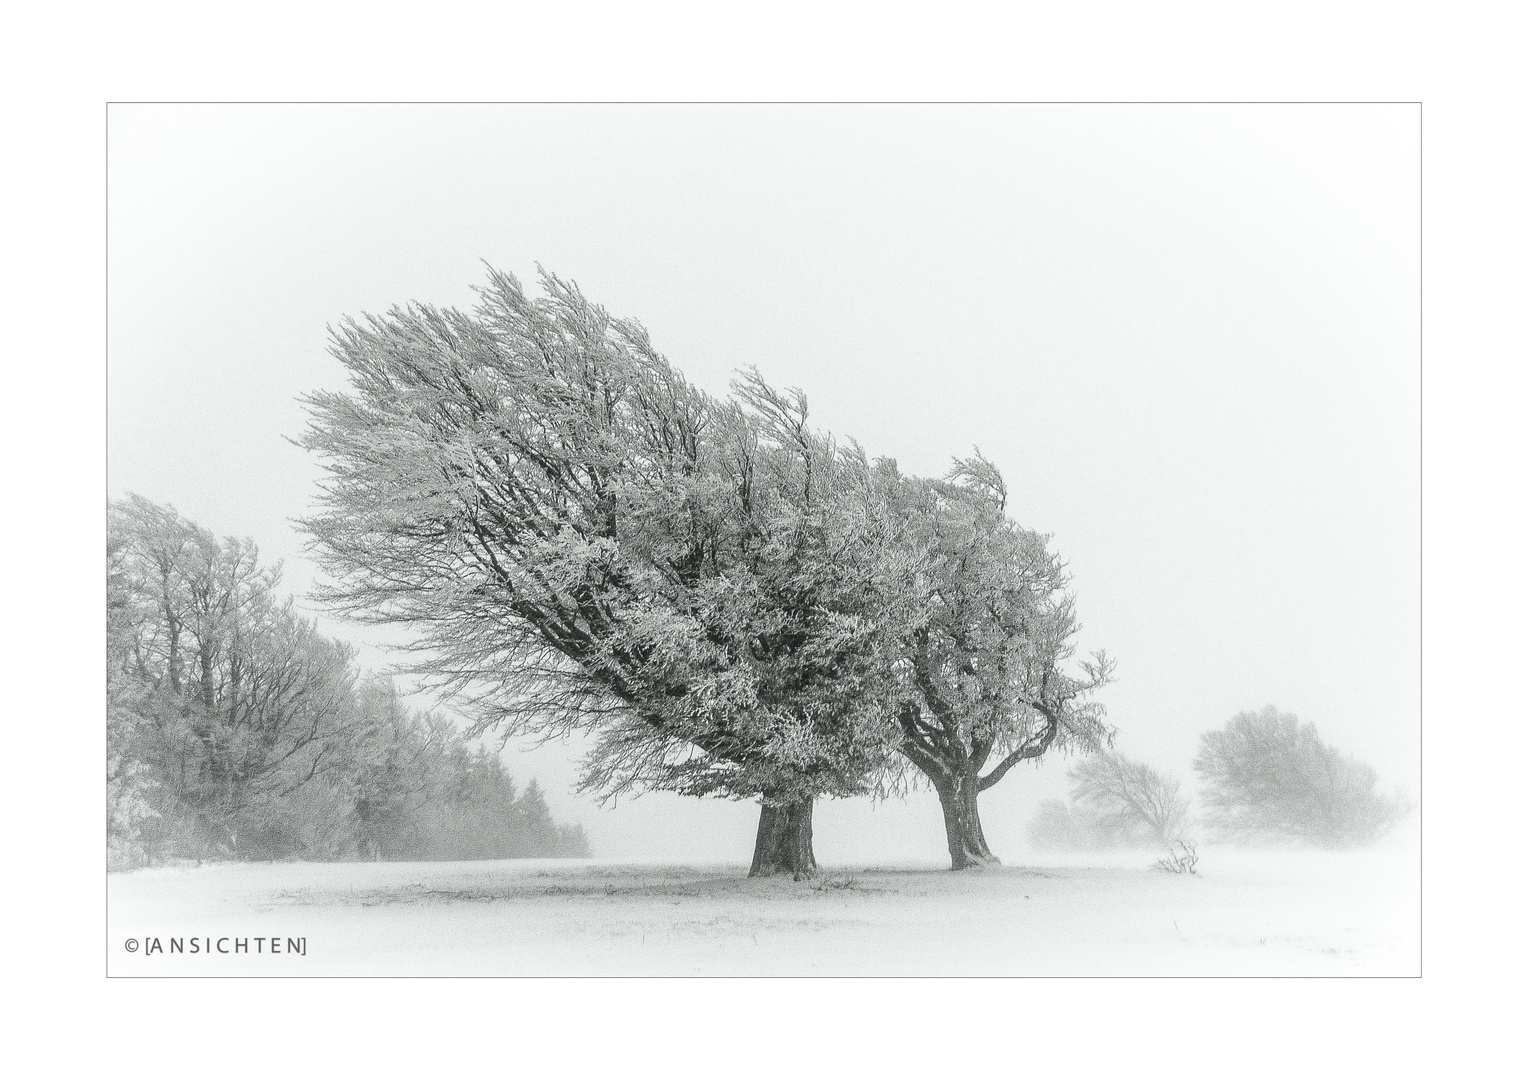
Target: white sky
point(1188, 335)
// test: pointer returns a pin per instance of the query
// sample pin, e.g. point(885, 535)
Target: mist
point(1187, 334)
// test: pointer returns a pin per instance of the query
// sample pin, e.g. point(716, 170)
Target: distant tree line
point(236, 730)
point(1265, 777)
point(730, 602)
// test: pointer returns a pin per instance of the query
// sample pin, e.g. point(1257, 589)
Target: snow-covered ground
point(1247, 913)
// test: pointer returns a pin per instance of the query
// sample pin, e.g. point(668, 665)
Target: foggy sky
point(1188, 335)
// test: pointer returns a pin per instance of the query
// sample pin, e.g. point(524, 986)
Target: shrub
point(1181, 858)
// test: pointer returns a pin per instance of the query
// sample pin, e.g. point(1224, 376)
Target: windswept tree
point(583, 541)
point(778, 643)
point(1266, 775)
point(983, 661)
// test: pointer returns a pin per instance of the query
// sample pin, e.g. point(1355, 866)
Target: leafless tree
point(1139, 801)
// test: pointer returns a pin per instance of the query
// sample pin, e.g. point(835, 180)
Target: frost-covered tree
point(583, 541)
point(983, 661)
point(132, 789)
point(392, 770)
point(221, 699)
point(233, 730)
point(1266, 775)
point(778, 644)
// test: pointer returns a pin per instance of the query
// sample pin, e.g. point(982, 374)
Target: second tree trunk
point(784, 843)
point(963, 823)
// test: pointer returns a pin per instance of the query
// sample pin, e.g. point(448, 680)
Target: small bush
point(834, 881)
point(1182, 858)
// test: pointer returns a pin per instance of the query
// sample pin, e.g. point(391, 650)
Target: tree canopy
point(582, 540)
point(983, 661)
point(1265, 775)
point(730, 601)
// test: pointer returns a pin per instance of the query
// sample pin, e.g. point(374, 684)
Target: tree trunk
point(784, 843)
point(963, 823)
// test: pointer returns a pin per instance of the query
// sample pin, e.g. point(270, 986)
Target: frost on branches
point(729, 601)
point(584, 541)
point(982, 665)
point(221, 701)
point(235, 731)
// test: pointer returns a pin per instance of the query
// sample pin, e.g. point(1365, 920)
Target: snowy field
point(1248, 913)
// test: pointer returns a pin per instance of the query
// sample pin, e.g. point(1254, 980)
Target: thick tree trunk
point(963, 823)
point(784, 843)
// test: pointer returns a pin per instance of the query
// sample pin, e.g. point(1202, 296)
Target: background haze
point(1187, 334)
